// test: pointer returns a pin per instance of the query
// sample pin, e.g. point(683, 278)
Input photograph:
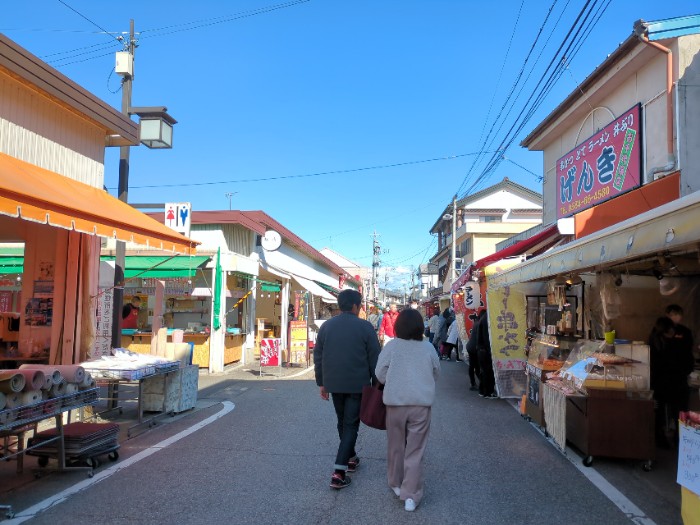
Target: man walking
point(345, 357)
point(386, 329)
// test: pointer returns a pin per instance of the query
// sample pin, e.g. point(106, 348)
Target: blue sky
point(320, 86)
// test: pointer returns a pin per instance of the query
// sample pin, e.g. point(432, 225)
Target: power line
point(86, 18)
point(515, 84)
point(188, 26)
point(281, 177)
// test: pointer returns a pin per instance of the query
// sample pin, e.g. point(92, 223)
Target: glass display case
point(588, 366)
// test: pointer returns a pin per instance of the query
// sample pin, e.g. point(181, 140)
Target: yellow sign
point(298, 342)
point(507, 326)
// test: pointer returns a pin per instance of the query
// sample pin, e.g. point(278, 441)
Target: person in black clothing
point(671, 362)
point(474, 370)
point(487, 382)
point(345, 357)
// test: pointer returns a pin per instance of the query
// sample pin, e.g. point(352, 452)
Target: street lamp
point(156, 131)
point(156, 126)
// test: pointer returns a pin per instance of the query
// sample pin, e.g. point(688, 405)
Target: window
point(490, 218)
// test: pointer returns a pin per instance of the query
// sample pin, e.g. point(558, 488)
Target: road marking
point(622, 502)
point(62, 496)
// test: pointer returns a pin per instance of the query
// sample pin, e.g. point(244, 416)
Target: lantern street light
point(156, 126)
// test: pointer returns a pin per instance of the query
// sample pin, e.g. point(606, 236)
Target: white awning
point(672, 226)
point(315, 289)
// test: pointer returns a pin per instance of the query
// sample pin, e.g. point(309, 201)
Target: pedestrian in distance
point(345, 357)
point(373, 317)
point(487, 383)
point(451, 342)
point(408, 367)
point(386, 329)
point(433, 324)
point(474, 371)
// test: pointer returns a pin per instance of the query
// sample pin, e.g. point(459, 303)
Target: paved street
point(269, 460)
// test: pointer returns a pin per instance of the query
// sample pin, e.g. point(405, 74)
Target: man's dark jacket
point(345, 354)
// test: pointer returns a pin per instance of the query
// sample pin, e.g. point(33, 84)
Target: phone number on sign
point(586, 201)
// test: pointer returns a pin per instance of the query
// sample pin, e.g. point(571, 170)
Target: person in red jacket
point(386, 329)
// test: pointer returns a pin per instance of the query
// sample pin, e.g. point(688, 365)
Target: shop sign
point(472, 295)
point(602, 167)
point(270, 352)
point(178, 216)
point(298, 342)
point(689, 458)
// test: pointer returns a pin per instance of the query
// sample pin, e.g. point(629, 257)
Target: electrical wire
point(319, 174)
point(514, 86)
point(86, 18)
point(545, 85)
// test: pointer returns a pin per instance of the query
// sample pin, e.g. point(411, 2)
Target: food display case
point(609, 409)
point(547, 354)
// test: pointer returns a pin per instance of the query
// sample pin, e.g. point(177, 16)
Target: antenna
point(229, 195)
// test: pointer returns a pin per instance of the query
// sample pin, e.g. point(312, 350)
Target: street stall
point(176, 293)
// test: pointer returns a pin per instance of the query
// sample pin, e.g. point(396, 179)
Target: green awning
point(145, 266)
point(335, 291)
point(11, 265)
point(265, 287)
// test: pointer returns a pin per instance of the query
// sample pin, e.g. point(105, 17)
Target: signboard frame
point(615, 153)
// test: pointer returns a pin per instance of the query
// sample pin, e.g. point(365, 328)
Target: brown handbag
point(372, 407)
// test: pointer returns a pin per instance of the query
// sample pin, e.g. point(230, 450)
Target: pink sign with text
point(602, 167)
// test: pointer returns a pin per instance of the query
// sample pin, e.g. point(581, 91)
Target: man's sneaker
point(410, 505)
point(491, 396)
point(339, 482)
point(353, 463)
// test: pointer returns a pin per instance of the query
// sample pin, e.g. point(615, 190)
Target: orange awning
point(35, 194)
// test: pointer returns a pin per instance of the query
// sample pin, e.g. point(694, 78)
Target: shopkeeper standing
point(130, 313)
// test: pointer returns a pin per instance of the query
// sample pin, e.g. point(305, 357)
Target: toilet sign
point(178, 216)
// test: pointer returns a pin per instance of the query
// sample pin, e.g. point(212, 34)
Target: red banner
point(269, 352)
point(601, 167)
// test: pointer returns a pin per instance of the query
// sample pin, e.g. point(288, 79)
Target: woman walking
point(408, 366)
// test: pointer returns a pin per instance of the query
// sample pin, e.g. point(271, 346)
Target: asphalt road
point(269, 460)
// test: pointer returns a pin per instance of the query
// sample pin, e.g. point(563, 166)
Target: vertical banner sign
point(178, 216)
point(270, 352)
point(299, 337)
point(103, 333)
point(602, 167)
point(472, 295)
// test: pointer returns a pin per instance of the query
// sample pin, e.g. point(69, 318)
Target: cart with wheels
point(83, 443)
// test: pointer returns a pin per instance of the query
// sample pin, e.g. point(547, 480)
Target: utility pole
point(120, 257)
point(413, 280)
point(454, 238)
point(376, 252)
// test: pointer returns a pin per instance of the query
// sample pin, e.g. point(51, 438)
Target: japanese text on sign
point(602, 167)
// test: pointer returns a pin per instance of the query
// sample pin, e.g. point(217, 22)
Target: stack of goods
point(29, 385)
point(129, 366)
point(690, 418)
point(81, 441)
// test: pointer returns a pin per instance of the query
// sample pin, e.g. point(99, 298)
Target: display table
point(113, 379)
point(20, 417)
point(610, 423)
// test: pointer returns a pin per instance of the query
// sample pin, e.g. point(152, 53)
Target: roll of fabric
point(34, 379)
point(72, 373)
point(87, 381)
point(59, 389)
point(50, 371)
point(71, 388)
point(3, 401)
point(11, 381)
point(85, 385)
point(31, 397)
point(13, 400)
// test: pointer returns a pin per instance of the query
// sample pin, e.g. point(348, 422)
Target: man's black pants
point(347, 409)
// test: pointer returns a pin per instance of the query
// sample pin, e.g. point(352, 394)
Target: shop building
point(270, 278)
point(621, 179)
point(482, 220)
point(53, 207)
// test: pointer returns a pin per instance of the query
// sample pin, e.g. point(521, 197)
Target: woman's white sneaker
point(410, 505)
point(397, 491)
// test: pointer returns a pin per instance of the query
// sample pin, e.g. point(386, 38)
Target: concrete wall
point(688, 115)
